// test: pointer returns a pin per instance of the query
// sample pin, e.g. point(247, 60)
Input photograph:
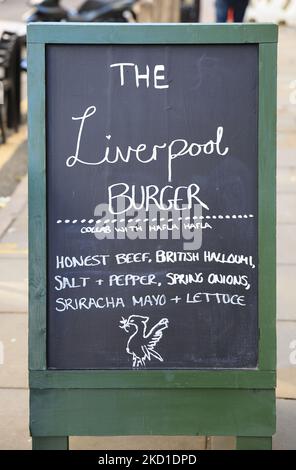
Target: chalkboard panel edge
point(267, 205)
point(153, 379)
point(38, 213)
point(37, 207)
point(151, 33)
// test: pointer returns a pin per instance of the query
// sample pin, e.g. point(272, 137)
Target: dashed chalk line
point(162, 219)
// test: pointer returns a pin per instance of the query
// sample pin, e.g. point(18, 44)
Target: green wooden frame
point(145, 385)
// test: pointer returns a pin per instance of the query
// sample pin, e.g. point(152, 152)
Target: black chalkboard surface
point(175, 126)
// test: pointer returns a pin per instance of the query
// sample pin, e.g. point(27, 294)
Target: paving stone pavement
point(14, 432)
point(286, 229)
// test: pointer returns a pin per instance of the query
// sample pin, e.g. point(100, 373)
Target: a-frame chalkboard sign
point(152, 231)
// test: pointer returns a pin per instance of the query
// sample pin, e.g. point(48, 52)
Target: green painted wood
point(50, 443)
point(152, 402)
point(147, 412)
point(153, 379)
point(82, 33)
point(245, 379)
point(254, 443)
point(37, 207)
point(267, 205)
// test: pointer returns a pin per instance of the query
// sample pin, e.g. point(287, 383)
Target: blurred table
point(20, 29)
point(14, 27)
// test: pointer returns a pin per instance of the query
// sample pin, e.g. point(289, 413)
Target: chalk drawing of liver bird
point(141, 343)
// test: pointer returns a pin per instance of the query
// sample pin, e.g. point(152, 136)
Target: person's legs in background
point(221, 10)
point(239, 8)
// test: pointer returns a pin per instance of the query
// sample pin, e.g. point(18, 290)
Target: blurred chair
point(190, 11)
point(157, 11)
point(144, 10)
point(274, 11)
point(2, 121)
point(168, 11)
point(10, 77)
point(289, 15)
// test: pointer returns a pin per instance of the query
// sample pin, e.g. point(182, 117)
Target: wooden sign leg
point(254, 443)
point(50, 443)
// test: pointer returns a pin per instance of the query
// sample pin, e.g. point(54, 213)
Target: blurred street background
point(13, 10)
point(14, 433)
